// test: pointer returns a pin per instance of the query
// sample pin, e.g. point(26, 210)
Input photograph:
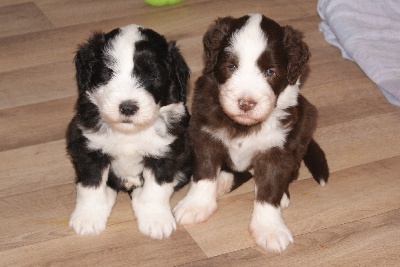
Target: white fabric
point(367, 32)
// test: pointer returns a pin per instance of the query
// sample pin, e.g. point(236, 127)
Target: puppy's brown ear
point(297, 53)
point(179, 69)
point(213, 40)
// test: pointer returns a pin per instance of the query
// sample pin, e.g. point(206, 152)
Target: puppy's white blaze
point(122, 48)
point(152, 209)
point(199, 203)
point(249, 42)
point(93, 207)
point(268, 227)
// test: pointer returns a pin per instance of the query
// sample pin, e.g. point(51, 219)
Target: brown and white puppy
point(248, 119)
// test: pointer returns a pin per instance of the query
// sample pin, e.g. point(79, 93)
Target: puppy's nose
point(128, 108)
point(246, 104)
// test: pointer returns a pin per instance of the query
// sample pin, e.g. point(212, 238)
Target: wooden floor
point(353, 221)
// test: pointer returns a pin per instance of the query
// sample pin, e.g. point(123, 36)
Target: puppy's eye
point(269, 73)
point(151, 77)
point(231, 68)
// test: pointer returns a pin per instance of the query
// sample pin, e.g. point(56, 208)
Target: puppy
point(129, 131)
point(249, 119)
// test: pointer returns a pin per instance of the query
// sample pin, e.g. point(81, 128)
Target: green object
point(161, 2)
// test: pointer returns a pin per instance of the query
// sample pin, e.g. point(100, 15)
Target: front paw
point(198, 205)
point(268, 228)
point(88, 221)
point(157, 223)
point(189, 211)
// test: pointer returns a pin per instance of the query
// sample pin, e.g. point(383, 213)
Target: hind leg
point(225, 183)
point(285, 201)
point(231, 180)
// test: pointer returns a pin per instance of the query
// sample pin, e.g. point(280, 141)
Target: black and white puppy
point(129, 131)
point(248, 119)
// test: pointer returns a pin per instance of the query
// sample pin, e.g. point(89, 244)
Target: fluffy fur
point(129, 131)
point(249, 120)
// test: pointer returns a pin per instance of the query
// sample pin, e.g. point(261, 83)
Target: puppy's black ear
point(85, 60)
point(179, 68)
point(213, 40)
point(297, 53)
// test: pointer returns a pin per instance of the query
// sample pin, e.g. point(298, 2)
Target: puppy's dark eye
point(231, 68)
point(151, 77)
point(269, 73)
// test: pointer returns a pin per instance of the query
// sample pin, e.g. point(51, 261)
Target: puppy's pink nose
point(246, 104)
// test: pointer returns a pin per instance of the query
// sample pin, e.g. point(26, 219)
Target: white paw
point(157, 223)
point(285, 201)
point(88, 220)
point(198, 205)
point(189, 212)
point(93, 206)
point(152, 209)
point(268, 228)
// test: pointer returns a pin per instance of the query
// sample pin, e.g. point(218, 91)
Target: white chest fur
point(129, 149)
point(272, 134)
point(241, 150)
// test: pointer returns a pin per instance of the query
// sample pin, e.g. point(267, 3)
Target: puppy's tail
point(316, 163)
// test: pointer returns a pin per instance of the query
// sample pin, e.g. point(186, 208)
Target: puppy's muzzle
point(128, 108)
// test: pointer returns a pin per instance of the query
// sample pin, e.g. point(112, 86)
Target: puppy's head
point(128, 74)
point(253, 59)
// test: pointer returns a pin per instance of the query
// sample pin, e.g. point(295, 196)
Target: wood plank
point(34, 168)
point(360, 141)
point(4, 3)
point(358, 243)
point(36, 123)
point(37, 84)
point(74, 12)
point(352, 194)
point(66, 13)
point(336, 101)
point(62, 42)
point(35, 216)
point(22, 18)
point(120, 245)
